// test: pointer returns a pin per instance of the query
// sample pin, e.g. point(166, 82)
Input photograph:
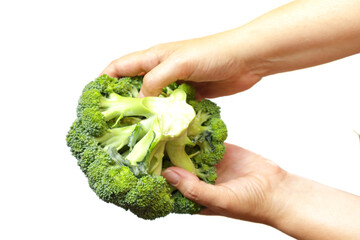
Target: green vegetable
point(123, 143)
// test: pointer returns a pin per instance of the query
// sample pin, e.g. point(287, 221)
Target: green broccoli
point(123, 143)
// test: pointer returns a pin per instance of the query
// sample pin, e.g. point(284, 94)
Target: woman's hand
point(301, 34)
point(251, 187)
point(212, 64)
point(244, 189)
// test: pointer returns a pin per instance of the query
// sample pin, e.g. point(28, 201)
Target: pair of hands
point(250, 187)
point(245, 181)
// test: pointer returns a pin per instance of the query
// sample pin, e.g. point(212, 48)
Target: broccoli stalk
point(156, 159)
point(196, 128)
point(135, 143)
point(117, 138)
point(175, 149)
point(142, 149)
point(116, 106)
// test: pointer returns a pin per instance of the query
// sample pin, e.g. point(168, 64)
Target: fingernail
point(172, 177)
point(140, 95)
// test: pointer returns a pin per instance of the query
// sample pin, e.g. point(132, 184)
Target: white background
point(303, 120)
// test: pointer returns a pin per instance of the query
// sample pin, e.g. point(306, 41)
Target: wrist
point(305, 209)
point(252, 50)
point(282, 201)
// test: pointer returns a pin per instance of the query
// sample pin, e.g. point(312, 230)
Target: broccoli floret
point(88, 156)
point(209, 132)
point(126, 86)
point(102, 84)
point(189, 90)
point(150, 198)
point(115, 184)
point(209, 152)
point(78, 140)
point(186, 87)
point(206, 172)
point(169, 89)
point(206, 106)
point(183, 205)
point(123, 143)
point(110, 181)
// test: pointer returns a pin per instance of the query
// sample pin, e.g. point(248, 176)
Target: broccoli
point(123, 143)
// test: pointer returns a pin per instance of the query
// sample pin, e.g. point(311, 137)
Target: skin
point(214, 73)
point(253, 188)
point(318, 31)
point(300, 34)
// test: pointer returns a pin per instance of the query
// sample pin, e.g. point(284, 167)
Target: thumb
point(191, 187)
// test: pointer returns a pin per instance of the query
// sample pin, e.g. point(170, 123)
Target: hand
point(233, 61)
point(244, 188)
point(250, 187)
point(212, 63)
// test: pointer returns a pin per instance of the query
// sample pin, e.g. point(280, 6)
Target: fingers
point(161, 76)
point(159, 70)
point(192, 188)
point(132, 64)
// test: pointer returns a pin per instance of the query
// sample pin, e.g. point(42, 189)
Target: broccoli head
point(122, 143)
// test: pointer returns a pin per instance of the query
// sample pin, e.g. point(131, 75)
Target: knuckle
point(152, 60)
point(161, 51)
point(113, 63)
point(150, 85)
point(148, 78)
point(153, 52)
point(111, 67)
point(157, 47)
point(183, 66)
